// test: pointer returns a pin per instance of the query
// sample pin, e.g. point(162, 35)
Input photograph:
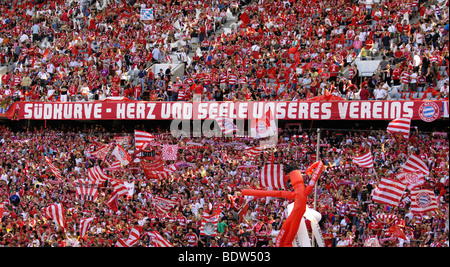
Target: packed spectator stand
point(230, 50)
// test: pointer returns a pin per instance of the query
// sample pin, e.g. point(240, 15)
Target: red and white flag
point(142, 139)
point(411, 179)
point(158, 240)
point(415, 164)
point(209, 225)
point(401, 126)
point(96, 174)
point(272, 176)
point(84, 225)
point(389, 192)
point(226, 125)
point(101, 152)
point(423, 201)
point(253, 151)
point(170, 152)
point(86, 190)
point(53, 168)
point(164, 204)
point(264, 127)
point(133, 238)
point(121, 155)
point(153, 171)
point(365, 161)
point(56, 213)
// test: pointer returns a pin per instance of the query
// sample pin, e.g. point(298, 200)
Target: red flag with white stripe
point(84, 225)
point(158, 240)
point(86, 190)
point(56, 213)
point(272, 176)
point(164, 204)
point(2, 206)
point(53, 168)
point(142, 139)
point(96, 174)
point(389, 192)
point(365, 161)
point(101, 152)
point(253, 151)
point(133, 238)
point(423, 201)
point(401, 126)
point(415, 164)
point(209, 225)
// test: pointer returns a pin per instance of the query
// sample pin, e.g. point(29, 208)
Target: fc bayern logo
point(423, 200)
point(429, 111)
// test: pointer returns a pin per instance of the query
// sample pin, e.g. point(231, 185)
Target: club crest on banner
point(423, 199)
point(429, 111)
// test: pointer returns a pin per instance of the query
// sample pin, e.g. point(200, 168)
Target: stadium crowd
point(207, 180)
point(277, 50)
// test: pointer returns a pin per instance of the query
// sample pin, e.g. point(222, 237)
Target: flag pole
point(315, 185)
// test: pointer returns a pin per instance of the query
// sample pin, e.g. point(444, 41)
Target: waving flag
point(389, 192)
point(411, 179)
point(133, 238)
point(158, 240)
point(264, 127)
point(53, 168)
point(102, 151)
point(142, 139)
point(96, 174)
point(147, 14)
point(253, 151)
point(209, 225)
point(2, 206)
point(86, 190)
point(226, 125)
point(401, 126)
point(170, 152)
point(272, 176)
point(84, 225)
point(423, 201)
point(56, 213)
point(415, 164)
point(365, 161)
point(121, 155)
point(164, 204)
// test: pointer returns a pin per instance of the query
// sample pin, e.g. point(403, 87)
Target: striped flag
point(154, 170)
point(86, 190)
point(253, 151)
point(389, 192)
point(411, 179)
point(133, 238)
point(142, 139)
point(415, 164)
point(101, 152)
point(365, 161)
point(164, 204)
point(401, 126)
point(56, 213)
point(96, 174)
point(53, 168)
point(84, 225)
point(423, 201)
point(226, 125)
point(158, 240)
point(272, 176)
point(209, 225)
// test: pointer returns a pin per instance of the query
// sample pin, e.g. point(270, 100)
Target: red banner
point(283, 110)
